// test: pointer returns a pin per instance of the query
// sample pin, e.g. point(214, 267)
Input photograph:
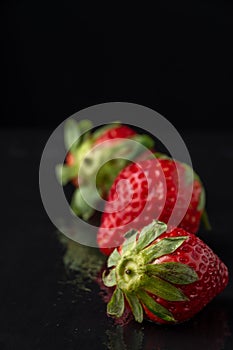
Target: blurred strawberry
point(94, 159)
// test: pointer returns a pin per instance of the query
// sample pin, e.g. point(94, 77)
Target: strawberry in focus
point(146, 190)
point(165, 277)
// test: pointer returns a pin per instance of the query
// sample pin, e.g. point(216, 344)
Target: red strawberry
point(120, 131)
point(70, 161)
point(146, 190)
point(164, 277)
point(88, 152)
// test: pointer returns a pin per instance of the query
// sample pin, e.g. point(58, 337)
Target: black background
point(62, 56)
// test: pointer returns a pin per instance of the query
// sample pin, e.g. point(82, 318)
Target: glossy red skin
point(120, 131)
point(70, 160)
point(151, 199)
point(212, 273)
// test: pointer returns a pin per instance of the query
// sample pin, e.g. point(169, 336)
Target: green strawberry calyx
point(91, 161)
point(137, 277)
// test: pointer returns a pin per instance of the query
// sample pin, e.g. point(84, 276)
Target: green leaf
point(65, 173)
point(159, 155)
point(84, 125)
point(72, 134)
point(132, 150)
point(125, 148)
point(130, 241)
point(173, 272)
point(110, 279)
point(144, 140)
point(166, 246)
point(201, 204)
point(154, 307)
point(205, 220)
point(130, 234)
point(150, 233)
point(116, 305)
point(162, 289)
point(113, 258)
point(80, 206)
point(135, 306)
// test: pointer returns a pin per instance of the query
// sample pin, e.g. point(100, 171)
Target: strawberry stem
point(136, 273)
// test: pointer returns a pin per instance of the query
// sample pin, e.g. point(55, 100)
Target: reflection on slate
point(209, 330)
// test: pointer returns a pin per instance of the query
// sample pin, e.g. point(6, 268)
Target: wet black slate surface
point(40, 311)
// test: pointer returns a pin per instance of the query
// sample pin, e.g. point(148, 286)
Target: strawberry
point(87, 151)
point(146, 190)
point(165, 277)
point(70, 161)
point(119, 131)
